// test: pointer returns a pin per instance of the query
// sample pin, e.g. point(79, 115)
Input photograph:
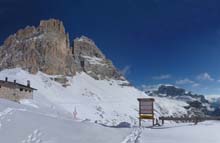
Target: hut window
point(0, 86)
point(29, 90)
point(25, 90)
point(21, 89)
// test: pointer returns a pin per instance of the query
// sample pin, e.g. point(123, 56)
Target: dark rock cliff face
point(178, 93)
point(47, 48)
point(91, 60)
point(171, 90)
point(197, 104)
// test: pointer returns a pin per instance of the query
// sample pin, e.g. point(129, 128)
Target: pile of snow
point(101, 101)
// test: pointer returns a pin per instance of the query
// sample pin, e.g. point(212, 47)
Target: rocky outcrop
point(171, 90)
point(197, 104)
point(44, 48)
point(47, 48)
point(90, 59)
point(177, 93)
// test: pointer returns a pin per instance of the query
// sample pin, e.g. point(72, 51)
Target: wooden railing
point(194, 119)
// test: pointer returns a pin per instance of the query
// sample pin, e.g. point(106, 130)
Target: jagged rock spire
point(91, 60)
point(46, 48)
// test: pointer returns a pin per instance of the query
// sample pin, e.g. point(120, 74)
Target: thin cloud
point(195, 85)
point(187, 81)
point(149, 87)
point(162, 77)
point(126, 70)
point(205, 76)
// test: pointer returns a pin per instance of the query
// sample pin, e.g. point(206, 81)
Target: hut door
point(82, 63)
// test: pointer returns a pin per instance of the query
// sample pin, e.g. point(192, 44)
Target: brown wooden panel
point(146, 103)
point(146, 111)
point(146, 107)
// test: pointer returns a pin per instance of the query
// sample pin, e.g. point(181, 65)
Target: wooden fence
point(194, 119)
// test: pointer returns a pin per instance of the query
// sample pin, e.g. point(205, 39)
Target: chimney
point(6, 79)
point(28, 83)
point(14, 81)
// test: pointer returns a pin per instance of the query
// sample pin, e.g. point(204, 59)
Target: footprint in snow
point(33, 137)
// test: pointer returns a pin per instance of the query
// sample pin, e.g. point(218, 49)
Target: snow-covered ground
point(28, 124)
point(23, 124)
point(101, 101)
point(205, 132)
point(48, 118)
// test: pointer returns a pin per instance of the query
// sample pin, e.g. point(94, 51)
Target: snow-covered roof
point(14, 84)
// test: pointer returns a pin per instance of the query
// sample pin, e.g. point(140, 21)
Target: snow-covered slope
point(101, 101)
point(48, 117)
point(24, 124)
point(206, 132)
point(40, 124)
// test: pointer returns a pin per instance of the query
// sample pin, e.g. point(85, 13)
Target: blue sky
point(152, 41)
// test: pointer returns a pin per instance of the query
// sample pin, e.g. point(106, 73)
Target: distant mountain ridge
point(47, 48)
point(173, 91)
point(198, 104)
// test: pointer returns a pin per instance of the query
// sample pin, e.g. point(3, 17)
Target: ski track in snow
point(34, 137)
point(134, 136)
point(4, 114)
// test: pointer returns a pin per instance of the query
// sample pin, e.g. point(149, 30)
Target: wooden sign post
point(146, 109)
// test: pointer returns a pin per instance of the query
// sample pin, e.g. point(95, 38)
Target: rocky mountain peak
point(84, 46)
point(177, 93)
point(171, 90)
point(52, 25)
point(46, 48)
point(84, 39)
point(91, 60)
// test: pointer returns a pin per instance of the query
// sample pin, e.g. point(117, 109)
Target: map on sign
point(146, 109)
